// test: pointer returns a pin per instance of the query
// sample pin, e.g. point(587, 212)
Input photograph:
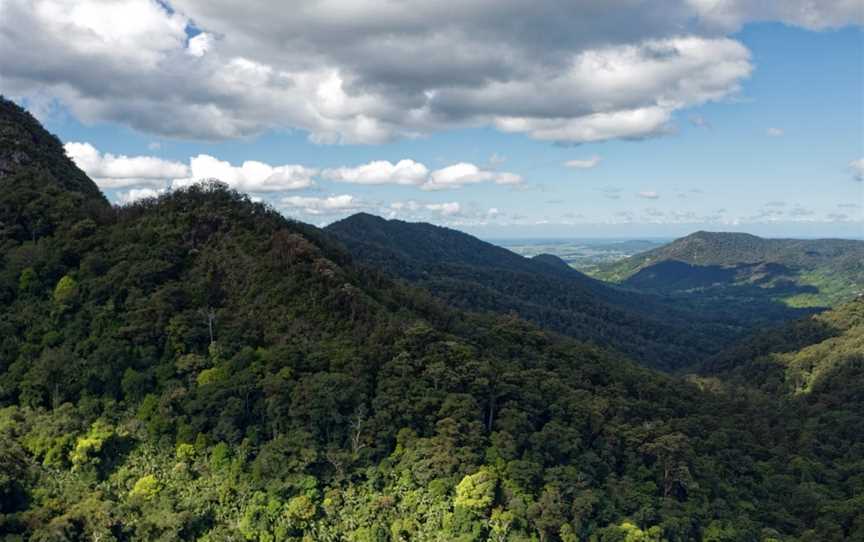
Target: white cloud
point(857, 168)
point(409, 172)
point(730, 15)
point(775, 132)
point(648, 194)
point(136, 194)
point(118, 171)
point(251, 176)
point(367, 72)
point(322, 206)
point(405, 205)
point(110, 171)
point(380, 172)
point(200, 44)
point(458, 175)
point(445, 209)
point(587, 163)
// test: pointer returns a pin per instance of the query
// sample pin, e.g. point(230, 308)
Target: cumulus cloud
point(406, 172)
point(445, 209)
point(147, 176)
point(119, 171)
point(458, 175)
point(409, 172)
point(585, 163)
point(648, 194)
point(322, 206)
point(200, 44)
point(251, 176)
point(857, 169)
point(811, 14)
point(112, 171)
point(366, 72)
point(775, 132)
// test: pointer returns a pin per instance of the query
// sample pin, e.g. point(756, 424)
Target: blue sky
point(770, 143)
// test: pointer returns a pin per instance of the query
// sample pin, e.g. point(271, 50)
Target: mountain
point(198, 367)
point(474, 275)
point(795, 272)
point(823, 352)
point(555, 262)
point(41, 189)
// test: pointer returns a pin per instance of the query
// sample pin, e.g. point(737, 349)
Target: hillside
point(198, 367)
point(40, 189)
point(796, 272)
point(474, 275)
point(823, 352)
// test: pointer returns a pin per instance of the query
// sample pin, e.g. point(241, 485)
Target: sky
point(502, 118)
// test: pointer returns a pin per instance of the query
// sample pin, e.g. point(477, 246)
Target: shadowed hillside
point(475, 275)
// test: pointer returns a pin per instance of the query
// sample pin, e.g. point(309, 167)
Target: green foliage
point(28, 283)
point(66, 291)
point(145, 488)
point(88, 448)
point(476, 491)
point(185, 452)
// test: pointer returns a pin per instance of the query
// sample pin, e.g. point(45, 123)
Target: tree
point(66, 291)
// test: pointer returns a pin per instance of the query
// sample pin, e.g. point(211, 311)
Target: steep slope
point(554, 261)
point(801, 356)
point(475, 275)
point(820, 272)
point(41, 189)
point(201, 368)
point(420, 246)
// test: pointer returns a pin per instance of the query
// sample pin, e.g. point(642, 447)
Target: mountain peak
point(26, 145)
point(41, 189)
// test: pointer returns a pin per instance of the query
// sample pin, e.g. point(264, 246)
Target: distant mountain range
point(801, 273)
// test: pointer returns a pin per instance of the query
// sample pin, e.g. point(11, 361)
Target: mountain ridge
point(800, 272)
point(475, 275)
point(41, 189)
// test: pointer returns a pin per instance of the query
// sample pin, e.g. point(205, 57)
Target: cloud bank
point(367, 72)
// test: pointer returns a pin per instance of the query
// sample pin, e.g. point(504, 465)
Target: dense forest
point(198, 367)
point(474, 275)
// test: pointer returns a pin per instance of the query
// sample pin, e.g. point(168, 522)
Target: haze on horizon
point(502, 119)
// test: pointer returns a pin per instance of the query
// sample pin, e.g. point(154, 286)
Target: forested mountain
point(474, 275)
point(825, 351)
point(197, 367)
point(819, 272)
point(42, 189)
